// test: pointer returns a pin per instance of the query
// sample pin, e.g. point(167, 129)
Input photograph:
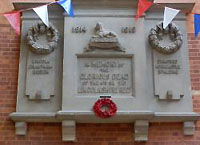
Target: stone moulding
point(52, 37)
point(175, 36)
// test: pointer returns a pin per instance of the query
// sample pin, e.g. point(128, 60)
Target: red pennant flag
point(143, 5)
point(14, 19)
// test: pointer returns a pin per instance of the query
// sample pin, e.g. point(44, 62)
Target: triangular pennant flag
point(196, 24)
point(67, 5)
point(14, 20)
point(42, 12)
point(143, 5)
point(169, 15)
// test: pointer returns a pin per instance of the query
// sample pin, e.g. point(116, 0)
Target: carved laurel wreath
point(39, 29)
point(175, 36)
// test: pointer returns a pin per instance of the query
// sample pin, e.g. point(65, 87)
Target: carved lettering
point(110, 75)
point(79, 30)
point(127, 30)
point(40, 67)
point(167, 66)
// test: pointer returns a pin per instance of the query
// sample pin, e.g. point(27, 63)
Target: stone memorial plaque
point(67, 68)
point(168, 71)
point(40, 76)
point(105, 75)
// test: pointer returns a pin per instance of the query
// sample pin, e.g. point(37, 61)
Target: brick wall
point(9, 59)
point(87, 134)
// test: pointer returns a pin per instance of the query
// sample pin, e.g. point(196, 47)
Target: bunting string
point(143, 5)
point(28, 9)
point(22, 10)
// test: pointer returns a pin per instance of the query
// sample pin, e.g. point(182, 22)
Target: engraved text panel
point(105, 76)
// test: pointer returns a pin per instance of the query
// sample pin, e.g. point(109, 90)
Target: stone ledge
point(89, 117)
point(175, 117)
point(121, 117)
point(33, 117)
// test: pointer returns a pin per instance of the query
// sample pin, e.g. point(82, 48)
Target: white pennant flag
point(169, 15)
point(42, 12)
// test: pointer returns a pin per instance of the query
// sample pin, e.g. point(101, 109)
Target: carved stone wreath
point(52, 36)
point(175, 36)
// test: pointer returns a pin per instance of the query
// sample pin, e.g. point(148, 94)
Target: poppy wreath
point(105, 102)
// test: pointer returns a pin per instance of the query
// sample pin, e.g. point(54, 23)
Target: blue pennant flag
point(67, 5)
point(196, 24)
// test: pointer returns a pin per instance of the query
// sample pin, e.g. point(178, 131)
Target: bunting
point(196, 24)
point(67, 5)
point(14, 20)
point(42, 12)
point(169, 15)
point(143, 5)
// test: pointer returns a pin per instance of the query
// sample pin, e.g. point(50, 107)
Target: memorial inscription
point(40, 74)
point(128, 30)
point(167, 66)
point(79, 29)
point(105, 75)
point(40, 67)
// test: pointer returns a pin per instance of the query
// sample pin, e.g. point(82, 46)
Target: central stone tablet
point(103, 56)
